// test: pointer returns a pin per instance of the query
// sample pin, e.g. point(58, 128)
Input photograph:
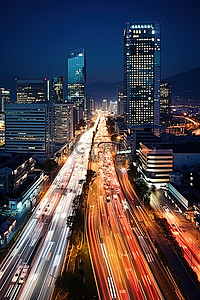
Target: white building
point(155, 164)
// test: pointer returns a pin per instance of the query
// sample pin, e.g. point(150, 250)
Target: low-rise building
point(185, 155)
point(26, 195)
point(184, 196)
point(155, 164)
point(19, 181)
point(6, 225)
point(14, 171)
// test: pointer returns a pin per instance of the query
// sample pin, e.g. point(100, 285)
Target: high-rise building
point(89, 106)
point(4, 98)
point(142, 73)
point(165, 98)
point(32, 91)
point(62, 123)
point(113, 107)
point(104, 105)
point(120, 100)
point(57, 90)
point(76, 79)
point(28, 129)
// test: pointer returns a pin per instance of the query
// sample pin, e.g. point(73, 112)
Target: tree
point(49, 165)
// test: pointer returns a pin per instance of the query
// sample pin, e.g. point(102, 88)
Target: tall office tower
point(113, 107)
point(104, 105)
point(89, 106)
point(57, 90)
point(92, 105)
point(142, 73)
point(76, 63)
point(4, 98)
point(120, 100)
point(32, 91)
point(165, 98)
point(27, 129)
point(62, 123)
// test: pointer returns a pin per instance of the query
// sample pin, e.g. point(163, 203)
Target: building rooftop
point(5, 223)
point(15, 161)
point(182, 148)
point(144, 126)
point(33, 177)
point(177, 148)
point(189, 192)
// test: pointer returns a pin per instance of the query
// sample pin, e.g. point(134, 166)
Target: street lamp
point(118, 138)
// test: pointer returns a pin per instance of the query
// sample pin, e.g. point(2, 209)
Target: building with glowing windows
point(104, 105)
point(62, 123)
point(28, 129)
point(165, 99)
point(120, 100)
point(32, 91)
point(4, 98)
point(155, 164)
point(142, 73)
point(76, 78)
point(57, 90)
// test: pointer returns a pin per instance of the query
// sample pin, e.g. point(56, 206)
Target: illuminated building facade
point(120, 100)
point(113, 107)
point(155, 164)
point(165, 98)
point(27, 129)
point(4, 98)
point(57, 90)
point(142, 73)
point(32, 91)
point(104, 105)
point(63, 123)
point(76, 79)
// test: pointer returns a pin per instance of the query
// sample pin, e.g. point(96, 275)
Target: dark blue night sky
point(36, 36)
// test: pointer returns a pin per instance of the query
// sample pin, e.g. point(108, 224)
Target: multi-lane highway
point(31, 268)
point(163, 276)
point(121, 262)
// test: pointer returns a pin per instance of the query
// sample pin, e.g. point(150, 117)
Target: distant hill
point(186, 85)
point(103, 90)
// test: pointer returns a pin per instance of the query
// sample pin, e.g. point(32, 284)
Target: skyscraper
point(4, 98)
point(165, 98)
point(142, 73)
point(113, 107)
point(76, 78)
point(57, 90)
point(104, 105)
point(120, 100)
point(32, 91)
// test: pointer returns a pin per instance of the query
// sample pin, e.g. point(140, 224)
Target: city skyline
point(100, 150)
point(41, 49)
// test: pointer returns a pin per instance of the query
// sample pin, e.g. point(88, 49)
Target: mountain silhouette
point(185, 88)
